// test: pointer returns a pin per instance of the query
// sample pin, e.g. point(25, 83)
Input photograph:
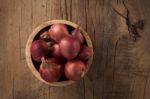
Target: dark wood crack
point(132, 27)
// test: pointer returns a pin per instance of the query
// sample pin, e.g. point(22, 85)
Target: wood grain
point(121, 67)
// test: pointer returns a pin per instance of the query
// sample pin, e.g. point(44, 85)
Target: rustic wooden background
point(121, 67)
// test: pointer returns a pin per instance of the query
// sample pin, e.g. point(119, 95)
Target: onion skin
point(39, 49)
point(57, 32)
point(56, 51)
point(78, 35)
point(51, 70)
point(85, 53)
point(69, 47)
point(74, 70)
point(45, 36)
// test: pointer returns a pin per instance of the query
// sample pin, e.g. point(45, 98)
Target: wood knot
point(133, 27)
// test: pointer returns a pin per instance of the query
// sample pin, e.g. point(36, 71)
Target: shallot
point(56, 51)
point(85, 53)
point(58, 31)
point(77, 34)
point(50, 69)
point(74, 70)
point(69, 47)
point(39, 49)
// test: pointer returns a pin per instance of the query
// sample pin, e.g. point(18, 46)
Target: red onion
point(50, 70)
point(85, 53)
point(74, 70)
point(58, 31)
point(56, 51)
point(69, 47)
point(39, 49)
point(77, 34)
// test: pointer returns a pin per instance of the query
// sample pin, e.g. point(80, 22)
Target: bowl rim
point(31, 38)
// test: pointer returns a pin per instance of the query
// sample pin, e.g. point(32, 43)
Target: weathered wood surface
point(121, 67)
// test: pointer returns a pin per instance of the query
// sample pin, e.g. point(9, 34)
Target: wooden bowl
point(32, 37)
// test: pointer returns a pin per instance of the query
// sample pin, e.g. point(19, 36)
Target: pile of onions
point(61, 53)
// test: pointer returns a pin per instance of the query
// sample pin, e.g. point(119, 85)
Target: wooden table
point(121, 66)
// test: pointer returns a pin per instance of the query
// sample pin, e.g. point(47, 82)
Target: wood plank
point(63, 10)
point(32, 11)
point(4, 59)
point(77, 15)
point(95, 28)
point(130, 75)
